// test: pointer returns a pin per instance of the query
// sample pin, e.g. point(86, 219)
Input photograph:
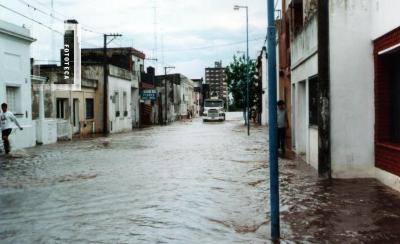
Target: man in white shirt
point(7, 119)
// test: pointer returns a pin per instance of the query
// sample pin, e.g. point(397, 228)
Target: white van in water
point(214, 110)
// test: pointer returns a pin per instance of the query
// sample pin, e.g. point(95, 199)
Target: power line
point(51, 15)
point(40, 11)
point(46, 26)
point(45, 6)
point(92, 31)
point(31, 19)
point(213, 46)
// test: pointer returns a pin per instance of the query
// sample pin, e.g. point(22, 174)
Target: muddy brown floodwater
point(189, 182)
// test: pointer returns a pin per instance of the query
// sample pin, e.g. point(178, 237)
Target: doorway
point(75, 116)
point(301, 118)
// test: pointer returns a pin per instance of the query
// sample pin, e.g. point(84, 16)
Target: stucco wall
point(15, 71)
point(352, 90)
point(121, 123)
point(135, 107)
point(385, 16)
point(94, 72)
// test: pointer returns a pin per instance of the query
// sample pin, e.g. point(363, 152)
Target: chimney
point(71, 54)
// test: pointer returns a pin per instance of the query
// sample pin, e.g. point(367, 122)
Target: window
point(12, 98)
point(313, 100)
point(89, 108)
point(388, 89)
point(125, 104)
point(387, 102)
point(116, 104)
point(394, 97)
point(61, 105)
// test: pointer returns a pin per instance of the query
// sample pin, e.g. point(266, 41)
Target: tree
point(236, 73)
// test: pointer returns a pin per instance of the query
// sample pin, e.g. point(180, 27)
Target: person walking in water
point(7, 119)
point(282, 125)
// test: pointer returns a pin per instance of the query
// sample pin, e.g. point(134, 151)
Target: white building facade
point(119, 100)
point(304, 71)
point(15, 81)
point(364, 48)
point(365, 142)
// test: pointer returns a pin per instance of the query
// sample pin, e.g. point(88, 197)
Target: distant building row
point(131, 98)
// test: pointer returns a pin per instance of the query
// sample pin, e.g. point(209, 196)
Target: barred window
point(12, 101)
point(61, 108)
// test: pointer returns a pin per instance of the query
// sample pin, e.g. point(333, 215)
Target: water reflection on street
point(189, 182)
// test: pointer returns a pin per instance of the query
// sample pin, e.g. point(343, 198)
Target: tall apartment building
point(216, 79)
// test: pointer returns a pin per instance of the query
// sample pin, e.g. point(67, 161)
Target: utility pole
point(273, 127)
point(166, 91)
point(105, 83)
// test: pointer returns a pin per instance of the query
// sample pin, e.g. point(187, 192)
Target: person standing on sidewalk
point(282, 125)
point(7, 119)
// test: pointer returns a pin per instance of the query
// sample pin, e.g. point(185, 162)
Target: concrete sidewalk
point(337, 210)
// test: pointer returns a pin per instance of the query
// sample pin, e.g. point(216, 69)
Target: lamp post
point(237, 8)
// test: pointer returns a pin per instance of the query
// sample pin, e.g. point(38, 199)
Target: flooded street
point(189, 182)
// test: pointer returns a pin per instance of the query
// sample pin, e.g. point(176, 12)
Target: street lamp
point(237, 8)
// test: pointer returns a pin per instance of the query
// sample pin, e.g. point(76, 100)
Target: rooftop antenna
point(53, 48)
point(162, 48)
point(155, 50)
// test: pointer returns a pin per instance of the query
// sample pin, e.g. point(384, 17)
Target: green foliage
point(236, 73)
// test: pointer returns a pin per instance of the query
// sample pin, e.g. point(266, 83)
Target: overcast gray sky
point(191, 35)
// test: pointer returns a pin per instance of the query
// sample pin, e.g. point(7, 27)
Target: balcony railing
point(305, 44)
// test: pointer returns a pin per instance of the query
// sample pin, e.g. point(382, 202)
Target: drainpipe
point(324, 145)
